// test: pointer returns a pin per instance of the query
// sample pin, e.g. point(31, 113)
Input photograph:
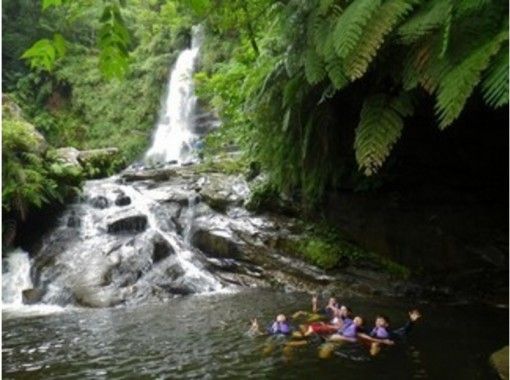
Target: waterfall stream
point(116, 244)
point(174, 137)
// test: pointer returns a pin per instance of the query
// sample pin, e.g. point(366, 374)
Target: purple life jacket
point(350, 330)
point(380, 333)
point(280, 328)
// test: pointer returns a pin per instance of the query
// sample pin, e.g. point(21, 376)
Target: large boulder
point(216, 243)
point(93, 155)
point(499, 360)
point(221, 191)
point(144, 175)
point(67, 156)
point(129, 220)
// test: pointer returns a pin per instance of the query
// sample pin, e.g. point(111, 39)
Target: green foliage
point(30, 179)
point(380, 126)
point(73, 105)
point(326, 68)
point(114, 42)
point(45, 52)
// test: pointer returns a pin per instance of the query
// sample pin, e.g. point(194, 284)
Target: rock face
point(499, 360)
point(89, 156)
point(32, 296)
point(157, 234)
point(144, 175)
point(126, 222)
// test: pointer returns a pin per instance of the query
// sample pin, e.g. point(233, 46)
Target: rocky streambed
point(158, 233)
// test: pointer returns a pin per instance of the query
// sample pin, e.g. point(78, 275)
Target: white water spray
point(16, 277)
point(173, 139)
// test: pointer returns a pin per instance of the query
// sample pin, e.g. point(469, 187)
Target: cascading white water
point(93, 265)
point(16, 277)
point(173, 139)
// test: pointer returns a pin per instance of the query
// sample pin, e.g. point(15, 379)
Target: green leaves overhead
point(458, 83)
point(495, 82)
point(350, 25)
point(380, 127)
point(113, 41)
point(45, 52)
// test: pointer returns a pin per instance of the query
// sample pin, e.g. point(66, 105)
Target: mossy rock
point(499, 360)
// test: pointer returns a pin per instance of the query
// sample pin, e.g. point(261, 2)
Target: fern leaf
point(379, 129)
point(325, 6)
point(350, 25)
point(336, 73)
point(457, 85)
point(314, 67)
point(392, 11)
point(495, 81)
point(432, 15)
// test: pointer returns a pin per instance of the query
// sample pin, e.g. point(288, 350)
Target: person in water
point(280, 326)
point(341, 319)
point(382, 333)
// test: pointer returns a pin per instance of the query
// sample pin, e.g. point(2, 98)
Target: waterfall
point(173, 139)
point(15, 277)
point(117, 244)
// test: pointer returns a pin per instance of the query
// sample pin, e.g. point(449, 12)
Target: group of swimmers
point(341, 326)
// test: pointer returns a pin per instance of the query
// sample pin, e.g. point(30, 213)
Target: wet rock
point(32, 296)
point(221, 191)
point(162, 249)
point(216, 243)
point(99, 202)
point(73, 221)
point(96, 297)
point(153, 174)
point(67, 156)
point(91, 156)
point(122, 200)
point(128, 221)
point(499, 361)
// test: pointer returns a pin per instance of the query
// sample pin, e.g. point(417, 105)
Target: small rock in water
point(32, 296)
point(99, 202)
point(73, 220)
point(122, 200)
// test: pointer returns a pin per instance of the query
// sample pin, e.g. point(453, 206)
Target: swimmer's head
point(344, 311)
point(281, 318)
point(332, 302)
point(382, 321)
point(358, 321)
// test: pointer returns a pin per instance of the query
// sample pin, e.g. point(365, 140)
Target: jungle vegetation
point(316, 92)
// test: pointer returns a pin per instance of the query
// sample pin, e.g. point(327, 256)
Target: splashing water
point(174, 139)
point(16, 277)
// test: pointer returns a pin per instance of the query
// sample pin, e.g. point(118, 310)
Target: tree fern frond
point(314, 67)
point(293, 90)
point(431, 16)
point(424, 66)
point(495, 80)
point(458, 84)
point(350, 25)
point(466, 7)
point(324, 6)
point(379, 129)
point(336, 73)
point(356, 64)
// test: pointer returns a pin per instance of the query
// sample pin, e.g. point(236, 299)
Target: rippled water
point(203, 337)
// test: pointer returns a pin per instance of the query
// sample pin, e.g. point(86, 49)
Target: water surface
point(203, 337)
